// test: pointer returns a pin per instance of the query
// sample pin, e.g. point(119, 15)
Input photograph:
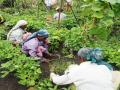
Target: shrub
point(46, 84)
point(26, 69)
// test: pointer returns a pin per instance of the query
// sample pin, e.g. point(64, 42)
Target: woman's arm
point(60, 80)
point(72, 74)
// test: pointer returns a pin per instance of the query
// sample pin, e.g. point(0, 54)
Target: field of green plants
point(90, 23)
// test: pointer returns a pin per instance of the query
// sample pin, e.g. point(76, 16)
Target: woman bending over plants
point(92, 74)
point(37, 45)
point(93, 69)
point(18, 34)
point(59, 15)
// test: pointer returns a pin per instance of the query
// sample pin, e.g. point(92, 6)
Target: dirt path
point(10, 83)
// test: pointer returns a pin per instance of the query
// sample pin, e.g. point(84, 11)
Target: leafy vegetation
point(46, 85)
point(24, 68)
point(92, 23)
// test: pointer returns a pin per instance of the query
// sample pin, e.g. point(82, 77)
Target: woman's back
point(94, 77)
point(90, 76)
point(16, 35)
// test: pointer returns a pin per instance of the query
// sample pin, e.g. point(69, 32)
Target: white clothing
point(86, 76)
point(62, 16)
point(15, 34)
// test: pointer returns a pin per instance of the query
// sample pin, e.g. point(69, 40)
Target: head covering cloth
point(19, 23)
point(94, 55)
point(41, 32)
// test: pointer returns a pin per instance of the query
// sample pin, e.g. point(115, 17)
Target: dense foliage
point(25, 68)
point(92, 23)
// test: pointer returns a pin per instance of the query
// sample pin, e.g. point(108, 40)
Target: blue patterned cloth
point(41, 32)
point(94, 55)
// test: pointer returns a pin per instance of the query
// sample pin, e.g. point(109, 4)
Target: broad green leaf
point(32, 82)
point(119, 50)
point(96, 7)
point(108, 22)
point(117, 1)
point(4, 73)
point(1, 1)
point(5, 65)
point(23, 82)
point(38, 70)
point(111, 13)
point(98, 15)
point(56, 37)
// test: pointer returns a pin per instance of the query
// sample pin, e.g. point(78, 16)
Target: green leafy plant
point(57, 38)
point(46, 84)
point(75, 39)
point(26, 69)
point(7, 51)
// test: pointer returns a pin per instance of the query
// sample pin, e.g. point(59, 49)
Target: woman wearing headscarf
point(18, 34)
point(36, 44)
point(59, 15)
point(92, 74)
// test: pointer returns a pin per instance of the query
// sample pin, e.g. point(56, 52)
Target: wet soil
point(10, 83)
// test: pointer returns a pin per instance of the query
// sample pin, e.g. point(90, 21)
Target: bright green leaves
point(112, 1)
point(25, 68)
point(4, 73)
point(96, 7)
point(97, 10)
point(75, 39)
point(110, 13)
point(46, 85)
point(107, 22)
point(57, 37)
point(7, 51)
point(1, 1)
point(100, 33)
point(98, 15)
point(111, 51)
point(86, 10)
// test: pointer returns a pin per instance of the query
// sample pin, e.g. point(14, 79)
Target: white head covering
point(19, 23)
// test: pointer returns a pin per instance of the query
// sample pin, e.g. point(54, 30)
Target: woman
point(36, 44)
point(91, 74)
point(59, 15)
point(18, 34)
